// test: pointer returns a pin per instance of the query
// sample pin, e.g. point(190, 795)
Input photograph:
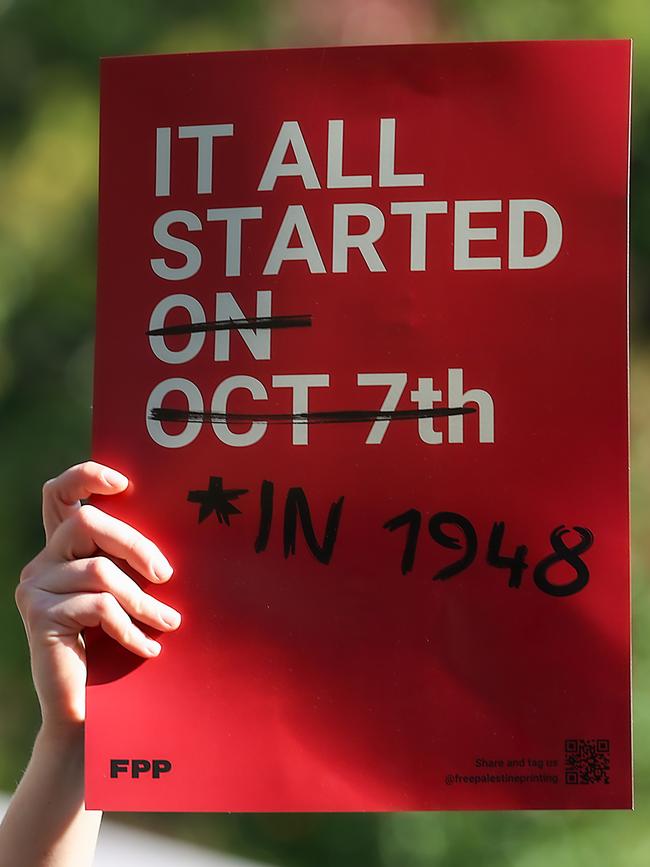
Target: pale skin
point(74, 583)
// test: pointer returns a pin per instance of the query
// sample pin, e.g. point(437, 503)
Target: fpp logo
point(140, 767)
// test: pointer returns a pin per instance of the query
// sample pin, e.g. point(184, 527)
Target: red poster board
point(362, 351)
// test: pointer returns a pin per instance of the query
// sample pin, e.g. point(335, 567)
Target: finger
point(90, 529)
point(77, 611)
point(62, 494)
point(99, 574)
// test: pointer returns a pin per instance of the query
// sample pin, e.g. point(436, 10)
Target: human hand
point(72, 584)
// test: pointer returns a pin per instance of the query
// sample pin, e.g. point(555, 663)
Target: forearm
point(72, 584)
point(46, 824)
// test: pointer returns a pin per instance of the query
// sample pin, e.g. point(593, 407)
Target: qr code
point(586, 761)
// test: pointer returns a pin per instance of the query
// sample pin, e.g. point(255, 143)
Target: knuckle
point(139, 604)
point(130, 552)
point(130, 635)
point(27, 585)
point(27, 572)
point(100, 569)
point(21, 596)
point(36, 611)
point(137, 548)
point(87, 471)
point(106, 604)
point(133, 541)
point(85, 517)
point(48, 488)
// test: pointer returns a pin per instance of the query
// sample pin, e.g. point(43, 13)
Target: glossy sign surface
point(395, 492)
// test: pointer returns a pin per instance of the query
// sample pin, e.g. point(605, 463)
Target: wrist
point(62, 735)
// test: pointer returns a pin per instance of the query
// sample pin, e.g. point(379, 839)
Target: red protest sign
point(362, 351)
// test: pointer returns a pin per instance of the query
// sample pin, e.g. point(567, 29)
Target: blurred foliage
point(48, 153)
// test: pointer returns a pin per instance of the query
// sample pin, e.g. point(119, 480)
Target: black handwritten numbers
point(516, 563)
point(411, 519)
point(565, 554)
point(449, 530)
point(438, 534)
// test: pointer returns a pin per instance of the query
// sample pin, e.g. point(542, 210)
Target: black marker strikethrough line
point(342, 416)
point(298, 320)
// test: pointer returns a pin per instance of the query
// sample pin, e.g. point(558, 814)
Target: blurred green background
point(48, 184)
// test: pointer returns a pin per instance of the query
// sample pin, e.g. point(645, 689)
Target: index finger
point(90, 529)
point(62, 495)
